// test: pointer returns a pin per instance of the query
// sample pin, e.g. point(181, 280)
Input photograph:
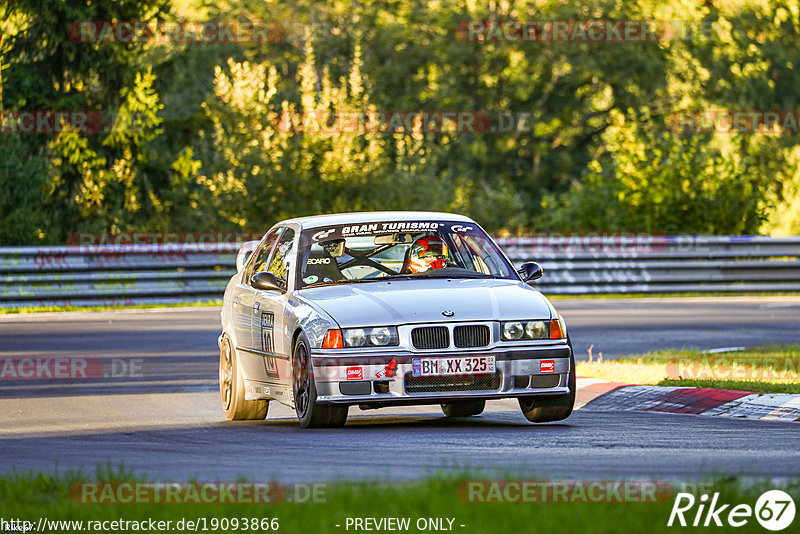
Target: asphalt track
point(165, 422)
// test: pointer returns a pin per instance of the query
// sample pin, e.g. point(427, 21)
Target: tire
point(549, 408)
point(231, 387)
point(463, 408)
point(310, 413)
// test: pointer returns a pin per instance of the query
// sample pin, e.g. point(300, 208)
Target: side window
point(262, 253)
point(279, 263)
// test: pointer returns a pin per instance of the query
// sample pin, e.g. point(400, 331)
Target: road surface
point(165, 423)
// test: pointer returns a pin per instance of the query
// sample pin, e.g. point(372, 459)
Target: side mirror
point(266, 281)
point(530, 271)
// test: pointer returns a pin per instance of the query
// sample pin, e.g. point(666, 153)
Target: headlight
point(379, 336)
point(536, 330)
point(355, 337)
point(519, 330)
point(513, 331)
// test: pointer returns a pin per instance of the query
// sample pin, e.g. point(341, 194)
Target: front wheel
point(310, 413)
point(548, 408)
point(231, 387)
point(465, 408)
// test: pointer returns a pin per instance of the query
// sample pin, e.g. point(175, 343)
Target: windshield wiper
point(348, 281)
point(425, 275)
point(465, 274)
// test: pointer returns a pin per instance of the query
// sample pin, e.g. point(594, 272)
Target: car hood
point(423, 301)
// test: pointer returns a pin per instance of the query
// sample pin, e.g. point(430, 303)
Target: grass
point(771, 369)
point(42, 309)
point(31, 497)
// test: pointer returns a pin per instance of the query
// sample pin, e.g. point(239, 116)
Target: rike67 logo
point(774, 510)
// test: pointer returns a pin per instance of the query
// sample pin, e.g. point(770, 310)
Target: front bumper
point(386, 378)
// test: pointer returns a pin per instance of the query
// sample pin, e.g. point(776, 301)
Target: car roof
point(316, 221)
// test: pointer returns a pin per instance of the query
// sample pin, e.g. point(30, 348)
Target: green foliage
point(104, 186)
point(22, 183)
point(197, 140)
point(659, 181)
point(286, 158)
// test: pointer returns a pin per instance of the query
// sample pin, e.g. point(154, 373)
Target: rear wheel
point(310, 413)
point(548, 408)
point(231, 387)
point(463, 408)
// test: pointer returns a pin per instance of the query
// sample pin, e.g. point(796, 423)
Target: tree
point(658, 181)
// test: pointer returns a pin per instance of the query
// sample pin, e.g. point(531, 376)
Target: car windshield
point(366, 252)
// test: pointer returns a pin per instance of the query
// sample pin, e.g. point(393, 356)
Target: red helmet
point(427, 253)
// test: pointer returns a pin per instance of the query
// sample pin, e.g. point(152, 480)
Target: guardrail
point(641, 263)
point(115, 274)
point(636, 263)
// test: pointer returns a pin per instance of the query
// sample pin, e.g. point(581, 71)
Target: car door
point(269, 312)
point(247, 330)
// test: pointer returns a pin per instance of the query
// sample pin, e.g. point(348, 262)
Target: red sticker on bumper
point(355, 373)
point(547, 366)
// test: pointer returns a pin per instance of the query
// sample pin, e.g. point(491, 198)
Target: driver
point(426, 254)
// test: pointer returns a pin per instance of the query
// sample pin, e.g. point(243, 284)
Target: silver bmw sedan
point(388, 309)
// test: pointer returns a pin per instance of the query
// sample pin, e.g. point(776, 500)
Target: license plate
point(462, 365)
